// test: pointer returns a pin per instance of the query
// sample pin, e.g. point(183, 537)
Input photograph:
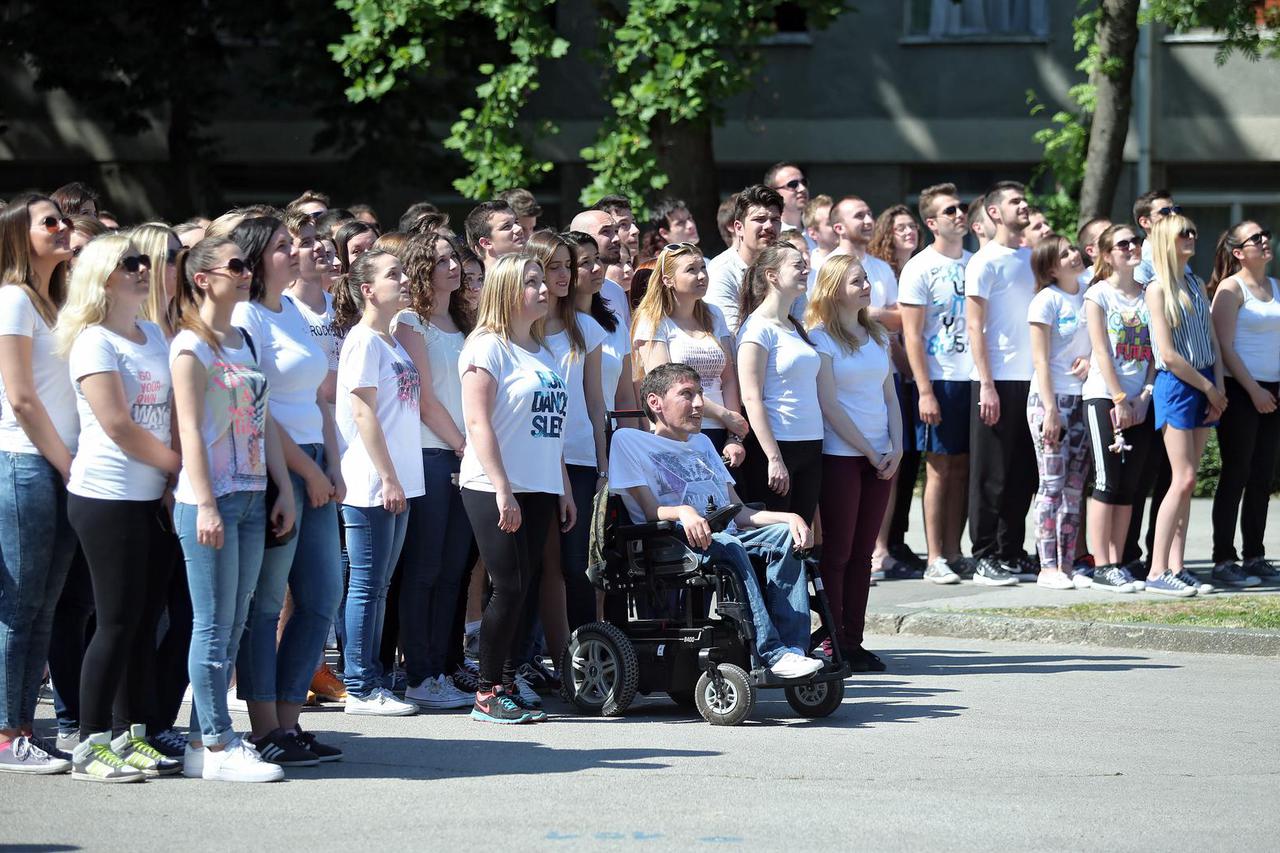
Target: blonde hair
point(1170, 274)
point(502, 296)
point(87, 302)
point(225, 224)
point(659, 300)
point(824, 305)
point(152, 239)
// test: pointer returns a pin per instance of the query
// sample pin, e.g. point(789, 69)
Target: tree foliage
point(1248, 27)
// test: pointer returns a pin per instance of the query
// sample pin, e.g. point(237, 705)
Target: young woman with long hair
point(674, 324)
point(1117, 399)
point(778, 376)
point(1246, 317)
point(1189, 393)
point(83, 229)
point(158, 242)
point(896, 237)
point(862, 443)
point(230, 446)
point(438, 542)
point(38, 432)
point(513, 475)
point(378, 415)
point(352, 240)
point(119, 365)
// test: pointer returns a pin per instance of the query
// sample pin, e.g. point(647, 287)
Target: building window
point(792, 23)
point(976, 20)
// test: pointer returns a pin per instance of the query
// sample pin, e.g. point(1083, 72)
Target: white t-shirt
point(369, 361)
point(933, 280)
point(617, 299)
point(234, 421)
point(859, 377)
point(579, 438)
point(1003, 277)
point(703, 352)
point(322, 329)
point(790, 379)
point(18, 316)
point(1068, 326)
point(443, 350)
point(724, 281)
point(678, 473)
point(100, 468)
point(528, 415)
point(1129, 333)
point(616, 347)
point(293, 362)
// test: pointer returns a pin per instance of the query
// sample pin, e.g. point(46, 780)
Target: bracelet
point(604, 475)
point(733, 439)
point(1119, 397)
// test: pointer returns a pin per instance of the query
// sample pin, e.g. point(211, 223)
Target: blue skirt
point(1178, 404)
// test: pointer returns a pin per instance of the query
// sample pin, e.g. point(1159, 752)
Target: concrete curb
point(1169, 638)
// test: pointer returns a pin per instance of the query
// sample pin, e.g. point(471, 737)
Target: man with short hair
point(526, 207)
point(1148, 209)
point(1087, 240)
point(1037, 229)
point(673, 222)
point(821, 237)
point(311, 202)
point(601, 225)
point(493, 231)
point(998, 286)
point(931, 299)
point(673, 473)
point(789, 181)
point(757, 221)
point(619, 207)
point(853, 222)
point(979, 223)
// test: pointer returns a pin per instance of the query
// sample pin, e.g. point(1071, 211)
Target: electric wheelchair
point(664, 633)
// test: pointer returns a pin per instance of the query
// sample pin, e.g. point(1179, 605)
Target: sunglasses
point(680, 247)
point(235, 266)
point(1126, 245)
point(1187, 233)
point(133, 263)
point(794, 185)
point(171, 256)
point(1169, 210)
point(953, 209)
point(1256, 239)
point(52, 224)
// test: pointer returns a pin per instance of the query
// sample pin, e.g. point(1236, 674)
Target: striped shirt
point(1191, 337)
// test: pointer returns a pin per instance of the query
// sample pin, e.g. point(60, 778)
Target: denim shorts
point(951, 437)
point(1178, 404)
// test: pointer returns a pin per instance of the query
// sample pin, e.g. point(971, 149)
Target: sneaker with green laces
point(95, 761)
point(138, 752)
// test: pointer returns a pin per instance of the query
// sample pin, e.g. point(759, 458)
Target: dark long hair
point(253, 236)
point(15, 256)
point(349, 229)
point(1225, 263)
point(755, 284)
point(600, 311)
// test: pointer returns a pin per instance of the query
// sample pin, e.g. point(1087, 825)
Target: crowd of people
point(231, 445)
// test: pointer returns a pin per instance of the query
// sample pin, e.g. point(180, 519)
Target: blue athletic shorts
point(951, 437)
point(1178, 404)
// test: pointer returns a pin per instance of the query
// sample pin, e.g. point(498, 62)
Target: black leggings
point(129, 550)
point(1249, 443)
point(1117, 477)
point(804, 464)
point(172, 674)
point(510, 559)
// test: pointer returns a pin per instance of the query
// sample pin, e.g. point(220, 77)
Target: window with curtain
point(942, 20)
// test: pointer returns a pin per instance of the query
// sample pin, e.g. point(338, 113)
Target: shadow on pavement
point(972, 662)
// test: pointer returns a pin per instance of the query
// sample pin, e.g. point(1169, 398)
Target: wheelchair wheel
point(598, 671)
point(729, 702)
point(819, 699)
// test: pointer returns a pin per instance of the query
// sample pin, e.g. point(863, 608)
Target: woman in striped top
point(1189, 396)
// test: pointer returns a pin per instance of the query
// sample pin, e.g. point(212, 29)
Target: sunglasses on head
point(1169, 210)
point(133, 263)
point(953, 209)
point(680, 248)
point(235, 266)
point(1256, 239)
point(795, 184)
point(52, 223)
point(1126, 245)
point(1187, 233)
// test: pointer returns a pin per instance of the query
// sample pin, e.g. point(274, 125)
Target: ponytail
point(348, 300)
point(184, 308)
point(1225, 263)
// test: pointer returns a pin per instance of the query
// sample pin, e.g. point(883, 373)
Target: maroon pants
point(852, 507)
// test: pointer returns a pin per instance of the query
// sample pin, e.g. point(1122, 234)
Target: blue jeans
point(221, 582)
point(36, 547)
point(310, 566)
point(374, 539)
point(781, 611)
point(433, 561)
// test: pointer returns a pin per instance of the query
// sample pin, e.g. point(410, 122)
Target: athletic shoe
point(792, 665)
point(963, 566)
point(536, 714)
point(322, 751)
point(1054, 580)
point(464, 679)
point(193, 762)
point(940, 571)
point(283, 748)
point(529, 696)
point(1112, 579)
point(1082, 574)
point(1137, 569)
point(170, 742)
point(1024, 567)
point(495, 706)
point(899, 570)
point(903, 554)
point(66, 741)
point(95, 761)
point(1170, 584)
point(1192, 580)
point(824, 650)
point(1262, 569)
point(1230, 574)
point(23, 755)
point(990, 573)
point(137, 752)
point(861, 660)
point(239, 762)
point(438, 694)
point(548, 675)
point(327, 686)
point(380, 703)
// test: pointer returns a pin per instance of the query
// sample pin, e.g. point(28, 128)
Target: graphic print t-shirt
point(528, 415)
point(936, 282)
point(678, 473)
point(1064, 314)
point(1129, 336)
point(100, 468)
point(235, 416)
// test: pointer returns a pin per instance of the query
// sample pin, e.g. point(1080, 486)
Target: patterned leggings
point(1063, 470)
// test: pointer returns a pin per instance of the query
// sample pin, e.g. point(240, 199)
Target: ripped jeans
point(1063, 470)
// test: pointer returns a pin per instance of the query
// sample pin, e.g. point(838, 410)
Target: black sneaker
point(548, 675)
point(465, 680)
point(322, 751)
point(536, 714)
point(536, 677)
point(1113, 579)
point(170, 743)
point(903, 553)
point(1025, 567)
point(495, 706)
point(1229, 574)
point(283, 748)
point(1262, 568)
point(867, 661)
point(988, 572)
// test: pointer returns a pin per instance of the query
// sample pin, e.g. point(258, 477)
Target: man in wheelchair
point(674, 473)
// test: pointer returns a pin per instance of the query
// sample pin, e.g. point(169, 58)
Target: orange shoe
point(327, 686)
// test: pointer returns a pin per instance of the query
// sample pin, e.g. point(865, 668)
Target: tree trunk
point(1117, 37)
point(686, 156)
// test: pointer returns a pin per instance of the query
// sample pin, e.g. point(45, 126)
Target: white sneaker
point(193, 762)
point(792, 665)
point(379, 703)
point(439, 693)
point(1055, 580)
point(239, 762)
point(940, 571)
point(527, 693)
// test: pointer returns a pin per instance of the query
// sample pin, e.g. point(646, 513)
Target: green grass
point(1236, 611)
